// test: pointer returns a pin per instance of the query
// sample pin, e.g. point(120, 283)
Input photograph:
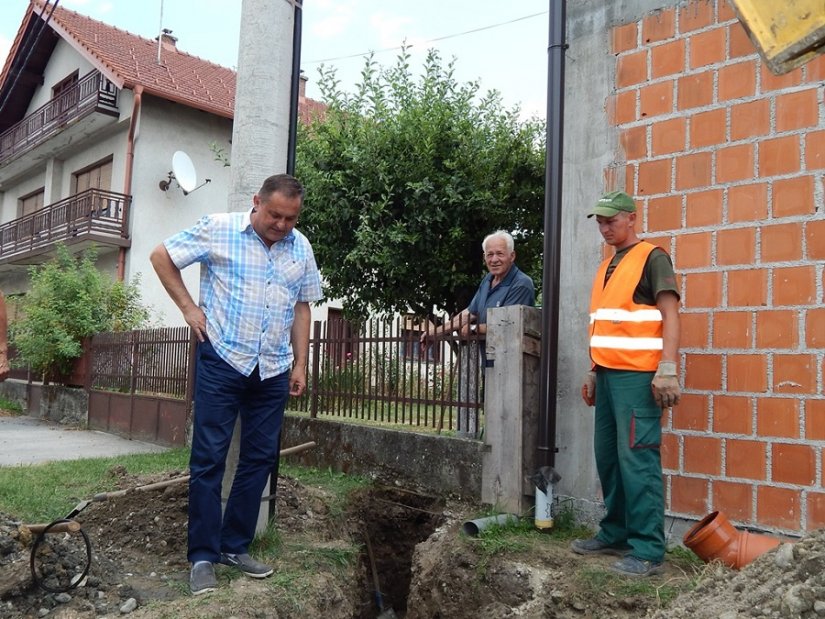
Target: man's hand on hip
point(589, 388)
point(196, 319)
point(665, 385)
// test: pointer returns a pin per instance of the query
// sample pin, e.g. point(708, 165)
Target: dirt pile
point(425, 567)
point(786, 583)
point(139, 561)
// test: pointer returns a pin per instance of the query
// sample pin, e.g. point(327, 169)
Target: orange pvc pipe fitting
point(715, 539)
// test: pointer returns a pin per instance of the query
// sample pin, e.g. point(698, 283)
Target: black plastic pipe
point(552, 234)
point(295, 88)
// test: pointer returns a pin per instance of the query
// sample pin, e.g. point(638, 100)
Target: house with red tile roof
point(91, 117)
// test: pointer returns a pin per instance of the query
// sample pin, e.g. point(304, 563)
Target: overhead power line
point(435, 40)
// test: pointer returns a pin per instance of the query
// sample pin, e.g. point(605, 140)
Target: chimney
point(302, 86)
point(167, 40)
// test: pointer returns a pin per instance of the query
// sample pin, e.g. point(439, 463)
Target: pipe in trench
point(474, 527)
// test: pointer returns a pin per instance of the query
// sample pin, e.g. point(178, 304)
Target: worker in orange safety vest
point(634, 347)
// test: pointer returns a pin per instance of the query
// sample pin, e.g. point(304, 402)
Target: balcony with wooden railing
point(92, 216)
point(92, 93)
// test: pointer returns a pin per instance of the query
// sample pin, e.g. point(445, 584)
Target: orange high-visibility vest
point(624, 335)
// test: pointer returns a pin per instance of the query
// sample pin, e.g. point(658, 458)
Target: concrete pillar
point(260, 132)
point(511, 407)
point(53, 181)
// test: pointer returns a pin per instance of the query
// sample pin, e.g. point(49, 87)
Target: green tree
point(70, 299)
point(404, 179)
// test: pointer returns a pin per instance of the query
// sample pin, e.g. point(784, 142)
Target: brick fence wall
point(726, 161)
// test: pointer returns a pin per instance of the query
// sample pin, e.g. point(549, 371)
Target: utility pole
point(261, 128)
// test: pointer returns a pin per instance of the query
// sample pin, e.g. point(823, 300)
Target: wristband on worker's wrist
point(666, 368)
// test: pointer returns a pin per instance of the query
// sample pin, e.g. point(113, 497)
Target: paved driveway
point(26, 440)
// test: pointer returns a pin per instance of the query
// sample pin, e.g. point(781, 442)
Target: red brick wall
point(726, 161)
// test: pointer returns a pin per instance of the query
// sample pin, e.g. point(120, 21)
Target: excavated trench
point(394, 521)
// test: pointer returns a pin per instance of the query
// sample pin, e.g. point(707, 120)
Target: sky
point(502, 45)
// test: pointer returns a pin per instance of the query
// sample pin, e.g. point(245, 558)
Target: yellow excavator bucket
point(787, 33)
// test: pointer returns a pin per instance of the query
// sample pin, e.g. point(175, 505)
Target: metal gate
point(140, 384)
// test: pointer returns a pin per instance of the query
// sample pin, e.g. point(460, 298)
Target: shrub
point(69, 300)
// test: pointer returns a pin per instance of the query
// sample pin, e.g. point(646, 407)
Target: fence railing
point(92, 92)
point(153, 362)
point(375, 372)
point(379, 372)
point(90, 212)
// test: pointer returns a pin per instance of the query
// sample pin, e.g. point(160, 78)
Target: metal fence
point(153, 362)
point(378, 371)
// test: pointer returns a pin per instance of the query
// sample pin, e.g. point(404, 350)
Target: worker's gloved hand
point(665, 385)
point(589, 389)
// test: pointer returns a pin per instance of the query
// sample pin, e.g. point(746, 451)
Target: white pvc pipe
point(474, 527)
point(543, 517)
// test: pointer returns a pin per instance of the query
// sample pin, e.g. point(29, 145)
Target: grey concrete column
point(511, 403)
point(53, 186)
point(260, 133)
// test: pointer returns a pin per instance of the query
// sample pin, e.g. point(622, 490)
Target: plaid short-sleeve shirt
point(248, 291)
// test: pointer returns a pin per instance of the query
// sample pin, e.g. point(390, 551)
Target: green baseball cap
point(612, 203)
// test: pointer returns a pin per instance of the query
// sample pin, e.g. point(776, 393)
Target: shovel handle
point(103, 496)
point(71, 526)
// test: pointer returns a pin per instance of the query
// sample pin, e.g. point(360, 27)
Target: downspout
point(295, 89)
point(295, 85)
point(552, 234)
point(130, 163)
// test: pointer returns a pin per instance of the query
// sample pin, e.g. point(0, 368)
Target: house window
point(97, 176)
point(64, 94)
point(30, 203)
point(64, 85)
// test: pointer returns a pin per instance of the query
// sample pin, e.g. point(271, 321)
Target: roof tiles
point(130, 60)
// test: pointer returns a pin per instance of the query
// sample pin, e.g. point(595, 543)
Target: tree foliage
point(69, 300)
point(404, 179)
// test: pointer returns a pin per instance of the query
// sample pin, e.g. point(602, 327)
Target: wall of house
point(64, 60)
point(590, 145)
point(726, 161)
point(164, 128)
point(9, 199)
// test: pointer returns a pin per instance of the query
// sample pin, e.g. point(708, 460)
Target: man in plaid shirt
point(258, 276)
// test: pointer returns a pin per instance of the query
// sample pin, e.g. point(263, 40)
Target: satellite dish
point(184, 171)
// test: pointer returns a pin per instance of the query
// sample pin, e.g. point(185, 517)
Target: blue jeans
point(221, 393)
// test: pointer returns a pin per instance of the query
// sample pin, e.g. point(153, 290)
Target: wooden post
point(511, 408)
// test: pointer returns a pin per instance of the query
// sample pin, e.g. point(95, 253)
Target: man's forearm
point(668, 305)
point(456, 322)
point(299, 334)
point(169, 275)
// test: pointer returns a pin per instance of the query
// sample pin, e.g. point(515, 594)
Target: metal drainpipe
point(296, 85)
point(290, 169)
point(130, 162)
point(552, 234)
